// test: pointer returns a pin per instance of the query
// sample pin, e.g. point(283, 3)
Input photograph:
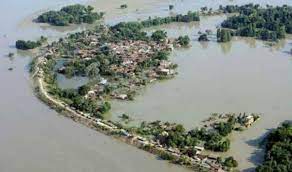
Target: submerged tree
point(223, 35)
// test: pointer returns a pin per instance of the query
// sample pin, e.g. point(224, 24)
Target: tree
point(161, 55)
point(83, 90)
point(26, 45)
point(230, 162)
point(223, 35)
point(124, 6)
point(159, 35)
point(203, 37)
point(184, 40)
point(70, 14)
point(104, 107)
point(278, 150)
point(92, 70)
point(270, 23)
point(224, 128)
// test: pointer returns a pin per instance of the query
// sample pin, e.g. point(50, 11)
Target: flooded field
point(242, 76)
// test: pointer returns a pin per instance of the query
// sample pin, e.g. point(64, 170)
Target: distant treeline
point(72, 14)
point(270, 23)
point(133, 30)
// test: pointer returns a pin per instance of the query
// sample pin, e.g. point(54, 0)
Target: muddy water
point(241, 76)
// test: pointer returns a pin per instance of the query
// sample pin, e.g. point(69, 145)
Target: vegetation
point(167, 156)
point(176, 136)
point(26, 45)
point(133, 30)
point(224, 35)
point(278, 150)
point(270, 23)
point(203, 37)
point(123, 6)
point(125, 117)
point(230, 162)
point(183, 40)
point(72, 14)
point(159, 36)
point(189, 17)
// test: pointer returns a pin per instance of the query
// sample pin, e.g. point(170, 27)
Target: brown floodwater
point(244, 75)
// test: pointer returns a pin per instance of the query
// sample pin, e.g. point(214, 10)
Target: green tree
point(159, 35)
point(223, 35)
point(92, 70)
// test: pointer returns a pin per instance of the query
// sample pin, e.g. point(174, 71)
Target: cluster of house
point(248, 120)
point(133, 53)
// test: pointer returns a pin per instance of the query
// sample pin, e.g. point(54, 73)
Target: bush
point(203, 37)
point(83, 90)
point(124, 6)
point(161, 55)
point(184, 40)
point(159, 35)
point(230, 162)
point(167, 156)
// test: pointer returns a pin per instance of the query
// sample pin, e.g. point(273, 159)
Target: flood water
point(241, 76)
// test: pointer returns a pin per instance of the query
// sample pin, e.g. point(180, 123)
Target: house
point(249, 120)
point(125, 133)
point(163, 71)
point(165, 64)
point(122, 96)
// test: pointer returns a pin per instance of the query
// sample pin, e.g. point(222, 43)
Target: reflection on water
point(226, 47)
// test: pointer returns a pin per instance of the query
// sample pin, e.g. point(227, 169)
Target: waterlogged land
point(266, 69)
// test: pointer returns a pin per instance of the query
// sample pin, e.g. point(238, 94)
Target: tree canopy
point(270, 23)
point(72, 14)
point(278, 150)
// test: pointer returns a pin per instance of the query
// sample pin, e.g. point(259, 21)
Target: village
point(121, 68)
point(125, 65)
